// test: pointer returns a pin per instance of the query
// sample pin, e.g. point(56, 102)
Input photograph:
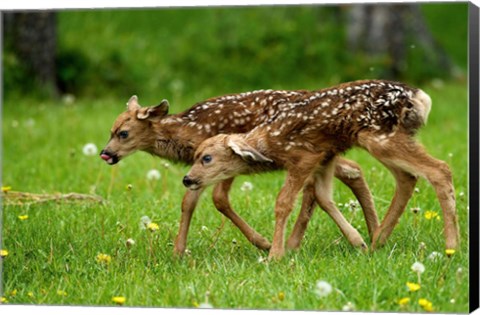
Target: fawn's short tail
point(415, 116)
point(422, 103)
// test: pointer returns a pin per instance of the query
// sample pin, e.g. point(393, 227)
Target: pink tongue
point(106, 157)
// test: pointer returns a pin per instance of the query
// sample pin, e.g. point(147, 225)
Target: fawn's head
point(132, 130)
point(219, 158)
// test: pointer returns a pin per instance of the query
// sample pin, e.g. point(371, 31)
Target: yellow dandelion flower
point(3, 253)
point(23, 217)
point(13, 292)
point(431, 215)
point(426, 304)
point(119, 300)
point(404, 301)
point(449, 252)
point(195, 304)
point(153, 226)
point(3, 300)
point(30, 294)
point(412, 287)
point(6, 188)
point(61, 293)
point(281, 296)
point(104, 258)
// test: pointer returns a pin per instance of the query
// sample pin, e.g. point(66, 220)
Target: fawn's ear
point(246, 152)
point(132, 103)
point(153, 111)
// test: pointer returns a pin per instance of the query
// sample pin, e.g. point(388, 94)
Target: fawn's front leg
point(222, 203)
point(189, 203)
point(283, 207)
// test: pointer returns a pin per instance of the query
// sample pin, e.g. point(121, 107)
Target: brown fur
point(175, 137)
point(307, 137)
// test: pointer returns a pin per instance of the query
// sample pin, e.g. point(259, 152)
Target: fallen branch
point(19, 198)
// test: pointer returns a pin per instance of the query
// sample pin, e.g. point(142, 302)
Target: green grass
point(56, 247)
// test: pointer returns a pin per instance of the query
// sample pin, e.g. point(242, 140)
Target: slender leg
point(405, 184)
point(351, 175)
point(408, 159)
point(189, 202)
point(306, 212)
point(222, 203)
point(283, 207)
point(323, 193)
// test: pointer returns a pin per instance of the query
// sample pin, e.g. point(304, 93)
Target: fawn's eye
point(123, 134)
point(207, 159)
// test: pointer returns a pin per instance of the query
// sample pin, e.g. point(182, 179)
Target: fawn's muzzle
point(109, 157)
point(190, 183)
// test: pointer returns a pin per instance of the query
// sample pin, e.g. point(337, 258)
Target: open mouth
point(109, 158)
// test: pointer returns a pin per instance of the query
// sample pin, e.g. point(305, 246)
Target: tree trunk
point(388, 30)
point(34, 41)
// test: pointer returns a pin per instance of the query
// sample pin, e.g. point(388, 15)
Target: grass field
point(53, 253)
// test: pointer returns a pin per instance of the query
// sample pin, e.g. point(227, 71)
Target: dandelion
point(153, 174)
point(404, 301)
point(452, 301)
point(205, 305)
point(103, 259)
point(323, 288)
point(426, 304)
point(166, 164)
point(348, 307)
point(13, 292)
point(281, 296)
point(449, 252)
point(30, 294)
point(120, 300)
point(129, 187)
point(61, 293)
point(429, 215)
point(413, 287)
point(261, 259)
point(417, 190)
point(415, 210)
point(461, 194)
point(246, 187)
point(418, 267)
point(90, 149)
point(23, 217)
point(434, 256)
point(3, 253)
point(130, 242)
point(6, 189)
point(144, 222)
point(352, 205)
point(153, 227)
point(3, 299)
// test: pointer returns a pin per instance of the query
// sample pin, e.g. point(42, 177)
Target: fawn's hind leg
point(222, 203)
point(408, 159)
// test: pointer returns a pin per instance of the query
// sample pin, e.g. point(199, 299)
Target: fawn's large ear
point(132, 103)
point(246, 152)
point(154, 111)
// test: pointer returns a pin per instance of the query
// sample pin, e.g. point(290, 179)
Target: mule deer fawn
point(306, 136)
point(176, 137)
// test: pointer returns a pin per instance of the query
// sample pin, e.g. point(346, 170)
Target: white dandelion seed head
point(348, 307)
point(153, 174)
point(415, 210)
point(452, 301)
point(204, 228)
point(323, 288)
point(418, 267)
point(205, 305)
point(262, 259)
point(144, 222)
point(130, 242)
point(246, 186)
point(434, 256)
point(90, 149)
point(417, 190)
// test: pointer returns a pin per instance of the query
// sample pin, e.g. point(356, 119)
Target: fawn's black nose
point(187, 181)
